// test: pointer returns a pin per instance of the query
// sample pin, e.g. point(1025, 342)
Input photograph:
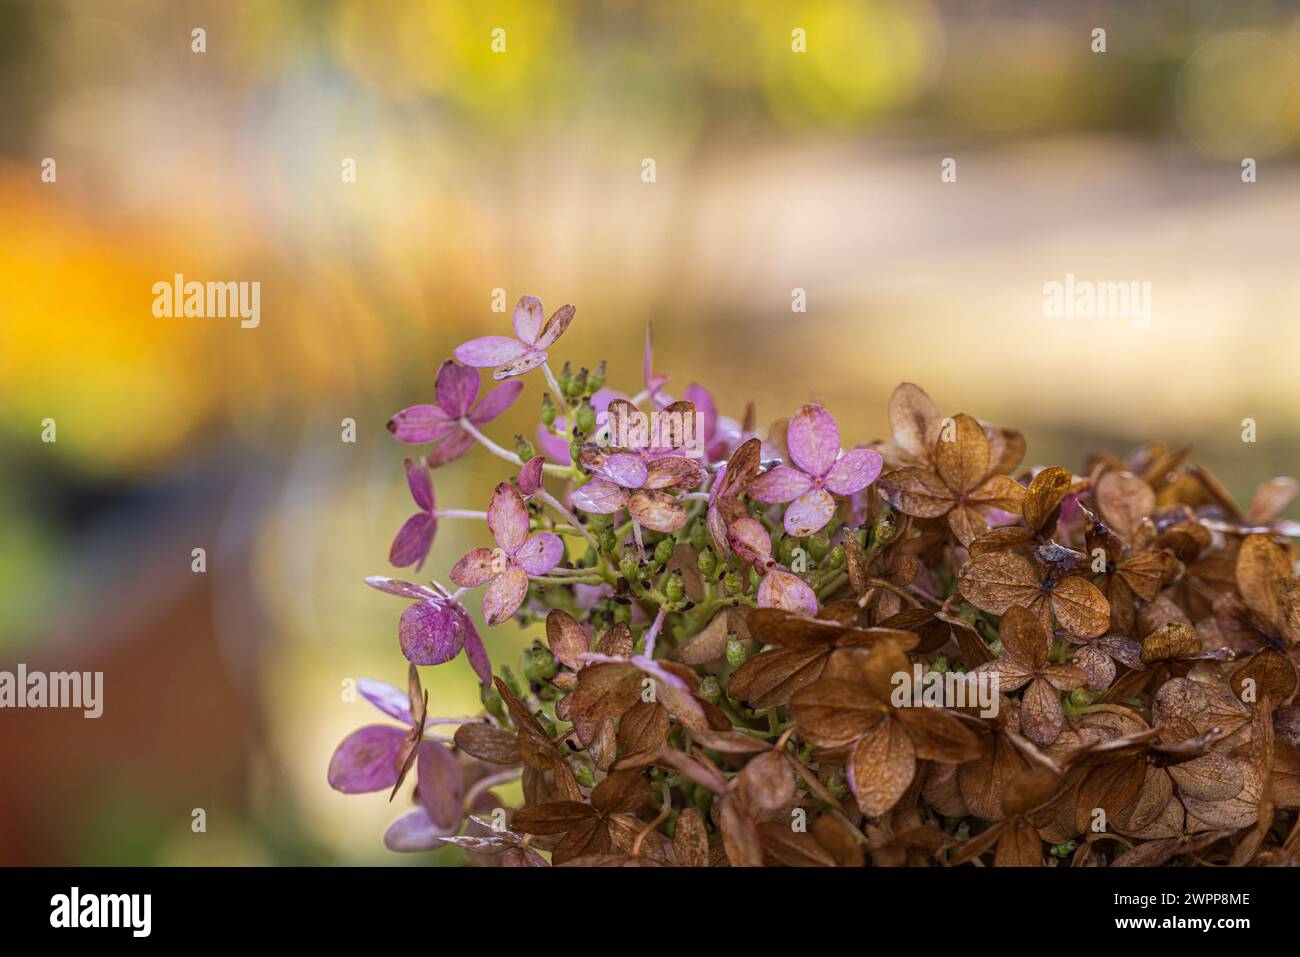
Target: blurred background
point(522, 171)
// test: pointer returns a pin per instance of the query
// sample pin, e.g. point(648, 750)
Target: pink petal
point(367, 760)
point(810, 512)
point(420, 424)
point(657, 510)
point(504, 596)
point(450, 448)
point(553, 447)
point(674, 471)
point(782, 484)
point(456, 389)
point(413, 541)
point(395, 586)
point(813, 440)
point(540, 553)
point(496, 402)
point(518, 366)
point(528, 319)
point(555, 326)
point(704, 408)
point(507, 517)
point(623, 468)
point(415, 831)
point(530, 476)
point(432, 632)
point(386, 698)
point(439, 784)
point(749, 539)
point(600, 497)
point(784, 590)
point(476, 652)
point(477, 566)
point(488, 351)
point(855, 470)
point(421, 486)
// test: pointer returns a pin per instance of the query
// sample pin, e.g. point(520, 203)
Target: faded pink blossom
point(456, 389)
point(516, 355)
point(505, 569)
point(820, 469)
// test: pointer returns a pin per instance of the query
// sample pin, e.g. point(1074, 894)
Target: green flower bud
point(622, 614)
point(608, 541)
point(884, 529)
point(837, 784)
point(577, 385)
point(597, 379)
point(699, 536)
point(754, 577)
point(564, 378)
point(1062, 850)
point(548, 410)
point(512, 682)
point(539, 664)
point(492, 702)
point(629, 567)
point(523, 448)
point(585, 418)
point(737, 653)
point(584, 775)
point(939, 665)
point(664, 551)
point(837, 557)
point(733, 583)
point(676, 588)
point(1082, 697)
point(708, 562)
point(819, 545)
point(785, 550)
point(710, 690)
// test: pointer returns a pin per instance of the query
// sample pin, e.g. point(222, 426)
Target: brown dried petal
point(1042, 501)
point(767, 781)
point(1081, 609)
point(487, 743)
point(770, 678)
point(1147, 572)
point(740, 834)
point(643, 727)
point(1270, 499)
point(605, 690)
point(621, 791)
point(1124, 500)
point(657, 510)
point(881, 767)
point(833, 712)
point(914, 419)
point(997, 581)
point(1023, 637)
point(1260, 564)
point(566, 638)
point(1040, 713)
point(962, 462)
point(691, 840)
point(917, 492)
point(1271, 674)
point(1174, 640)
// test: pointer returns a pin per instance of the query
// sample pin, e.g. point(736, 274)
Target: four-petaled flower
point(415, 537)
point(456, 389)
point(964, 483)
point(819, 469)
point(435, 629)
point(506, 568)
point(625, 479)
point(378, 757)
point(526, 349)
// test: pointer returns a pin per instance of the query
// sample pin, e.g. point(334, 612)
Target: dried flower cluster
point(730, 618)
